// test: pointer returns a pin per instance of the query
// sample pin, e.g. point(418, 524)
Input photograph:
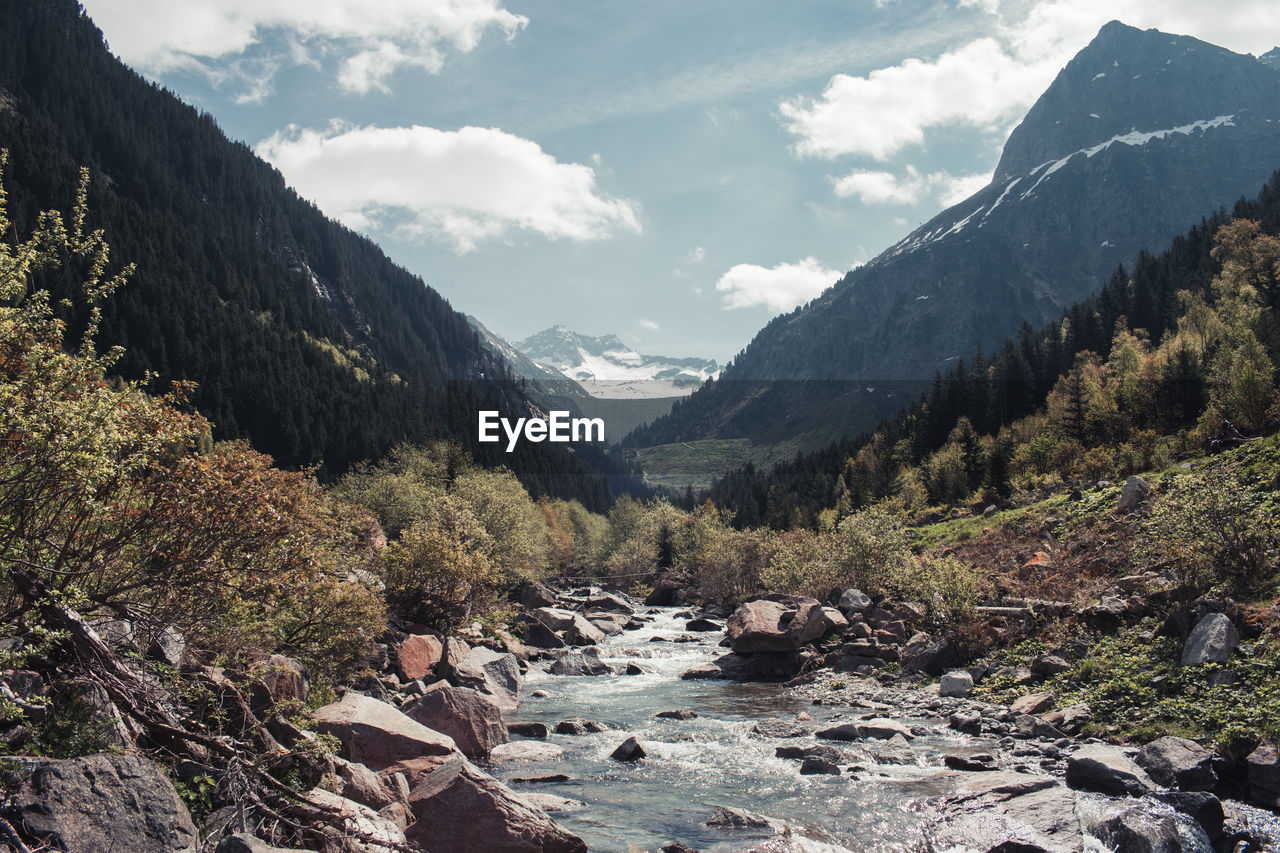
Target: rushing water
point(694, 766)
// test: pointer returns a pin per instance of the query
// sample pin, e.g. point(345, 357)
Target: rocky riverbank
point(861, 734)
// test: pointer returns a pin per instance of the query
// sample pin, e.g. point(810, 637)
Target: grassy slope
point(1130, 675)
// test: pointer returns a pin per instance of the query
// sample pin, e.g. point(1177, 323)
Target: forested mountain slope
point(1141, 135)
point(301, 335)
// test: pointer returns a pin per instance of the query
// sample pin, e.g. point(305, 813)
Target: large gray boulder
point(474, 811)
point(853, 601)
point(1176, 762)
point(1263, 772)
point(496, 674)
point(1007, 812)
point(470, 718)
point(100, 803)
point(776, 624)
point(1107, 770)
point(378, 735)
point(585, 662)
point(881, 728)
point(1133, 493)
point(956, 684)
point(1212, 640)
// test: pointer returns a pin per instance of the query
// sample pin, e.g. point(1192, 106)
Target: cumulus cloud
point(697, 255)
point(370, 40)
point(879, 187)
point(988, 83)
point(880, 114)
point(779, 288)
point(460, 187)
point(649, 324)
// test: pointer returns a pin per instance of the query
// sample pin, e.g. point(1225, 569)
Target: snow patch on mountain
point(606, 367)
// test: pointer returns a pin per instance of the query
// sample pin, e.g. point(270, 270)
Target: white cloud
point(988, 83)
point(697, 255)
point(460, 187)
point(779, 288)
point(649, 324)
point(879, 187)
point(978, 84)
point(370, 40)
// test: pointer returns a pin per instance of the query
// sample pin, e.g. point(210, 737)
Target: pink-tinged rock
point(476, 812)
point(470, 718)
point(377, 735)
point(776, 624)
point(1032, 703)
point(418, 655)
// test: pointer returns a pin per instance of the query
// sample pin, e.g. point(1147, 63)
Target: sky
point(675, 172)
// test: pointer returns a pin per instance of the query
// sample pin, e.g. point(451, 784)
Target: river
point(696, 765)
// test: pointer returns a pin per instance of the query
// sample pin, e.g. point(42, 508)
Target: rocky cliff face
point(1141, 135)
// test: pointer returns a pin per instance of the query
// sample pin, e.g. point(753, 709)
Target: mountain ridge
point(974, 273)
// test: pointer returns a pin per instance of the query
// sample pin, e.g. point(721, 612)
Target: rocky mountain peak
point(1128, 80)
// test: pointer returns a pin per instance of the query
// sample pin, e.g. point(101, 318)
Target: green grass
point(701, 463)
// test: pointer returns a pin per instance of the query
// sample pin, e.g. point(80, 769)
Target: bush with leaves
point(441, 570)
point(1208, 525)
point(870, 550)
point(112, 501)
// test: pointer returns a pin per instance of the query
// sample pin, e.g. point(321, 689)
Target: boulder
point(1008, 812)
point(534, 594)
point(836, 621)
point(1033, 703)
point(528, 729)
point(1176, 762)
point(1134, 491)
point(358, 818)
point(578, 726)
point(817, 750)
point(1049, 665)
point(168, 647)
point(279, 679)
point(731, 818)
point(679, 714)
point(932, 659)
point(815, 766)
point(581, 632)
point(555, 618)
point(881, 728)
point(703, 625)
point(1137, 829)
point(956, 684)
point(472, 719)
point(629, 750)
point(853, 601)
point(667, 592)
point(361, 784)
point(1107, 770)
point(762, 666)
point(1202, 807)
point(970, 761)
point(585, 662)
point(378, 735)
point(418, 655)
point(540, 636)
point(100, 803)
point(607, 601)
point(1071, 719)
point(775, 624)
point(1263, 772)
point(609, 624)
point(779, 729)
point(493, 673)
point(474, 811)
point(1212, 640)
